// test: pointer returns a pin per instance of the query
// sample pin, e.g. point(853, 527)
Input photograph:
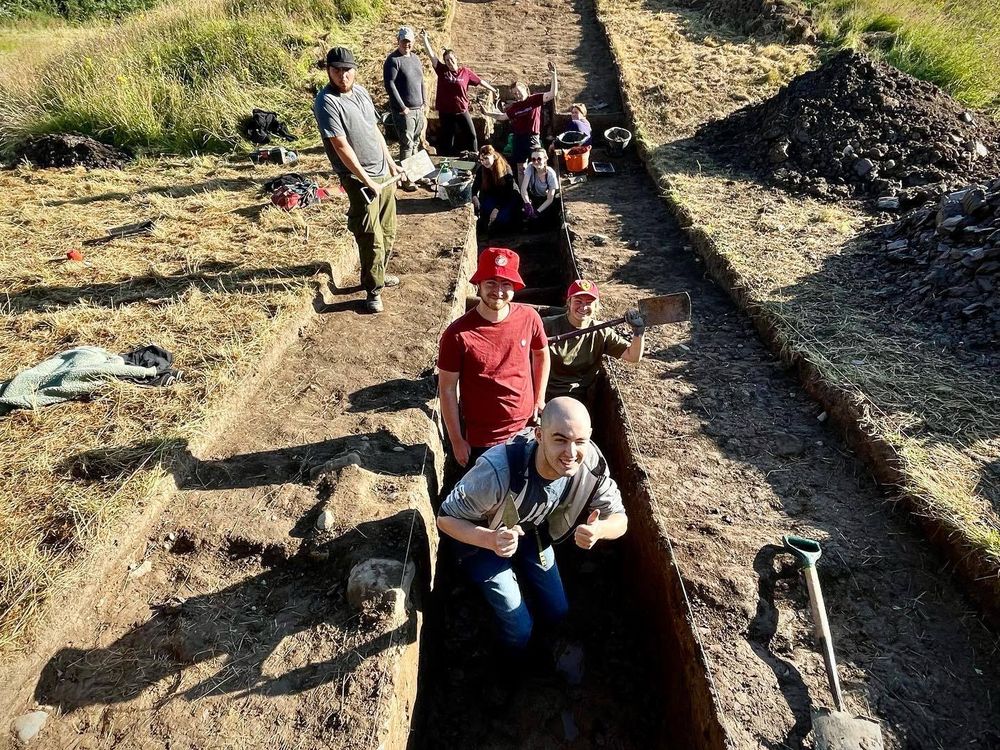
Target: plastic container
point(577, 159)
point(458, 191)
point(444, 176)
point(618, 139)
point(570, 138)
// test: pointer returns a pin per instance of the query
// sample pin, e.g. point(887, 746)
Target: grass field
point(952, 44)
point(178, 78)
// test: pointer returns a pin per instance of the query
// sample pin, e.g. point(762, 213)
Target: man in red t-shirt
point(525, 117)
point(496, 358)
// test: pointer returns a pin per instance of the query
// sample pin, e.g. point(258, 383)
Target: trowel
point(832, 729)
point(655, 311)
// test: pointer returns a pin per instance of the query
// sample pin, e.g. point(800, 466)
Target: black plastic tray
point(602, 167)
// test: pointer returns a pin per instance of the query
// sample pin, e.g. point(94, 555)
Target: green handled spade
point(833, 730)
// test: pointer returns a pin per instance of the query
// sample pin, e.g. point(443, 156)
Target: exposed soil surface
point(67, 150)
point(233, 630)
point(508, 40)
point(859, 127)
point(737, 458)
point(787, 18)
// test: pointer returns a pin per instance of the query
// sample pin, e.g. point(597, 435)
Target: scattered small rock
point(788, 445)
point(336, 463)
point(27, 726)
point(373, 583)
point(888, 203)
point(139, 570)
point(325, 521)
point(598, 239)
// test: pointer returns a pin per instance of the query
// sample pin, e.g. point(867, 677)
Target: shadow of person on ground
point(211, 277)
point(394, 395)
point(378, 451)
point(762, 629)
point(244, 624)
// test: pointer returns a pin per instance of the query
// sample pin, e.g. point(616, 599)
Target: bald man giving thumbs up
point(519, 498)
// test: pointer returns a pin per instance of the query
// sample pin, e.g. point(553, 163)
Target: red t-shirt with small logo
point(496, 393)
point(453, 89)
point(526, 116)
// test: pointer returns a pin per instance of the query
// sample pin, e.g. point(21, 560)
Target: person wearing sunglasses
point(540, 190)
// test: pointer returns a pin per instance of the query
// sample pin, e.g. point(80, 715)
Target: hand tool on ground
point(142, 227)
point(655, 311)
point(833, 729)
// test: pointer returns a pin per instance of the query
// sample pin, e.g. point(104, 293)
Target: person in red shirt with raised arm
point(493, 362)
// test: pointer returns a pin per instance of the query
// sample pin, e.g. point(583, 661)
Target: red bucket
point(577, 159)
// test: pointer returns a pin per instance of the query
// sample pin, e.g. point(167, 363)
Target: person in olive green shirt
point(576, 361)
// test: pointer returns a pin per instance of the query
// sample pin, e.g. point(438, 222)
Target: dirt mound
point(857, 127)
point(943, 260)
point(785, 18)
point(64, 150)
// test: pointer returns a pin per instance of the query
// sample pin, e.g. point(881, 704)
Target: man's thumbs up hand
point(587, 534)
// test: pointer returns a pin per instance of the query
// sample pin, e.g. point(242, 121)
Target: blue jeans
point(505, 581)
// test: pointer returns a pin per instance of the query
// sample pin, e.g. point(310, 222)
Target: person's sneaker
point(409, 187)
point(373, 303)
point(390, 280)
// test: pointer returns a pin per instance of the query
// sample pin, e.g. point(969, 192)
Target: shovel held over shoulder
point(833, 730)
point(655, 311)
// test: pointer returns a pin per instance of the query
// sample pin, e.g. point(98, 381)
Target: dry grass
point(793, 259)
point(221, 274)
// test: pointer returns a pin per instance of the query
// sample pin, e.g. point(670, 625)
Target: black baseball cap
point(340, 57)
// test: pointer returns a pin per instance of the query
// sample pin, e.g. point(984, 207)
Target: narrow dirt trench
point(733, 456)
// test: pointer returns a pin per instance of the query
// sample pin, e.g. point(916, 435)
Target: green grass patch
point(181, 77)
point(73, 10)
point(953, 45)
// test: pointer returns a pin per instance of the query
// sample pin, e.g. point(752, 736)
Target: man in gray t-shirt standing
point(346, 118)
point(403, 76)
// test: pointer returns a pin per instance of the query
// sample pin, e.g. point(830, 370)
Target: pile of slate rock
point(942, 261)
point(68, 150)
point(856, 127)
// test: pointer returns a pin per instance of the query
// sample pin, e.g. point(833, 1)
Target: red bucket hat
point(583, 288)
point(498, 263)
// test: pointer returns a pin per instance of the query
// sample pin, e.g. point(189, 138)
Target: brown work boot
point(373, 303)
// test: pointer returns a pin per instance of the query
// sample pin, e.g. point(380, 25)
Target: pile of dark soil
point(857, 127)
point(943, 261)
point(65, 150)
point(788, 19)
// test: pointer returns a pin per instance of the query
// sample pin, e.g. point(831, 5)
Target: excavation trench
point(644, 682)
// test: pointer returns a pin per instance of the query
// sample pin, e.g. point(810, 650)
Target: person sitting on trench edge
point(576, 362)
point(501, 519)
point(493, 195)
point(540, 191)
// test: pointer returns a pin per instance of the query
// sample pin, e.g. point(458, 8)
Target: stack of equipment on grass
point(292, 190)
point(262, 125)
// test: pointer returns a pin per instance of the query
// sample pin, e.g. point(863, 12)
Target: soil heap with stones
point(943, 262)
point(859, 128)
point(64, 150)
point(789, 19)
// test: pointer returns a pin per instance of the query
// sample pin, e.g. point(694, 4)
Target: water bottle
point(444, 177)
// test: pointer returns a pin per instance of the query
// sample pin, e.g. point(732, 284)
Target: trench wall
point(692, 718)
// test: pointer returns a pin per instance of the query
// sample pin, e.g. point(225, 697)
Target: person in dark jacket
point(403, 76)
point(494, 196)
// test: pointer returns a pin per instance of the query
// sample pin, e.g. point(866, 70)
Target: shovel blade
point(668, 308)
point(417, 166)
point(837, 730)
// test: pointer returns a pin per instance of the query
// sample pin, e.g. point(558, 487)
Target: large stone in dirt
point(381, 582)
point(788, 445)
point(325, 521)
point(351, 458)
point(28, 726)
